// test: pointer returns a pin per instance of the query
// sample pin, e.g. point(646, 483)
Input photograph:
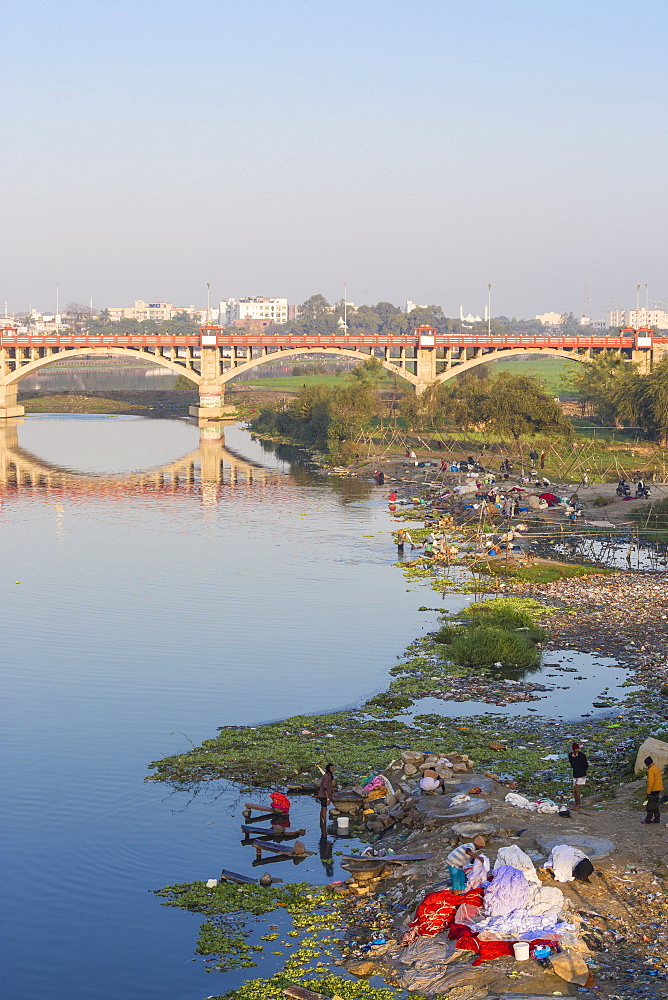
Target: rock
point(468, 831)
point(413, 757)
point(410, 769)
point(362, 968)
point(405, 788)
point(652, 748)
point(460, 768)
point(593, 847)
point(570, 967)
point(497, 746)
point(390, 801)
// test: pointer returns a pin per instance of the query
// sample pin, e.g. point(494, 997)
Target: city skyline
point(415, 153)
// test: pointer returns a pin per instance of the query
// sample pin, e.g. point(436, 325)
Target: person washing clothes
point(580, 766)
point(462, 857)
point(654, 792)
point(431, 780)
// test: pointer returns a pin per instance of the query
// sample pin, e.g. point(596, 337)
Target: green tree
point(595, 384)
point(506, 404)
point(316, 316)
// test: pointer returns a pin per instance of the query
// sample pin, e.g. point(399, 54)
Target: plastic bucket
point(521, 949)
point(343, 825)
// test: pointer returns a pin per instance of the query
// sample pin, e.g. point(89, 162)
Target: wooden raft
point(266, 831)
point(288, 852)
point(389, 859)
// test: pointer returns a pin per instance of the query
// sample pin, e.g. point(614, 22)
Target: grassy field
point(75, 404)
point(292, 383)
point(549, 371)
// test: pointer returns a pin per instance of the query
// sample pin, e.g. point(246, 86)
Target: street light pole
point(208, 303)
point(489, 309)
point(57, 305)
point(345, 308)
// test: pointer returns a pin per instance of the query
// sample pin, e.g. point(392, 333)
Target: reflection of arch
point(181, 366)
point(211, 462)
point(359, 356)
point(486, 359)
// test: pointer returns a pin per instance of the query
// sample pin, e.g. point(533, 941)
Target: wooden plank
point(265, 831)
point(268, 845)
point(299, 993)
point(229, 876)
point(389, 858)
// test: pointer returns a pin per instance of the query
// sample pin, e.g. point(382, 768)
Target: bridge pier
point(211, 388)
point(425, 368)
point(9, 406)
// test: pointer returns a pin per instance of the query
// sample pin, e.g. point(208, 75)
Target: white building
point(549, 319)
point(253, 307)
point(657, 318)
point(142, 311)
point(637, 318)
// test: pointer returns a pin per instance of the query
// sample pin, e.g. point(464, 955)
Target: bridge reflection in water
point(211, 465)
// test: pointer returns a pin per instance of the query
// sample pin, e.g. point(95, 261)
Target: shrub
point(484, 646)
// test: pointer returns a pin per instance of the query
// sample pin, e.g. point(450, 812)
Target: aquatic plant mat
point(237, 933)
point(363, 741)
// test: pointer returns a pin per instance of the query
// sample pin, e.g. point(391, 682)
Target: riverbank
point(621, 615)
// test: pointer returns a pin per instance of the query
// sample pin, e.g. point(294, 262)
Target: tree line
point(330, 419)
point(617, 391)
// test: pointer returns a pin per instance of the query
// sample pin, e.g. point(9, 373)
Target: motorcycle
point(623, 489)
point(642, 491)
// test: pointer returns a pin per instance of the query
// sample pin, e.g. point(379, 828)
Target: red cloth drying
point(437, 910)
point(552, 501)
point(280, 802)
point(486, 950)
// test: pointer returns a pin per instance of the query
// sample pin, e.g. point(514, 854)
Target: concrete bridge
point(212, 463)
point(215, 355)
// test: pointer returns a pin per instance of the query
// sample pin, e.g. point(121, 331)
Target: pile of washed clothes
point(490, 916)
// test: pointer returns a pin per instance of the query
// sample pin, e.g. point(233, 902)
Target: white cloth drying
point(477, 873)
point(515, 799)
point(516, 858)
point(563, 860)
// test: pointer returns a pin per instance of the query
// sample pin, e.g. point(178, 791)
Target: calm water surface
point(170, 584)
point(151, 609)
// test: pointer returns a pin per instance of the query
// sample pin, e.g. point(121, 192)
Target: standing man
point(325, 792)
point(580, 766)
point(654, 790)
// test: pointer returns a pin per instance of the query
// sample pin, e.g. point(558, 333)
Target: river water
point(157, 584)
point(152, 608)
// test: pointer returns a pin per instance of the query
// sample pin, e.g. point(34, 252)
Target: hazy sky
point(416, 150)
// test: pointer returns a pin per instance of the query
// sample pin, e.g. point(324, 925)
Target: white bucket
point(343, 825)
point(521, 949)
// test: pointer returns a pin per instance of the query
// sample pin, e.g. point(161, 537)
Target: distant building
point(470, 318)
point(410, 306)
point(253, 308)
point(252, 324)
point(637, 318)
point(142, 311)
point(550, 319)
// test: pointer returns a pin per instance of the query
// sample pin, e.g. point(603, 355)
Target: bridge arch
point(337, 352)
point(28, 368)
point(493, 356)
